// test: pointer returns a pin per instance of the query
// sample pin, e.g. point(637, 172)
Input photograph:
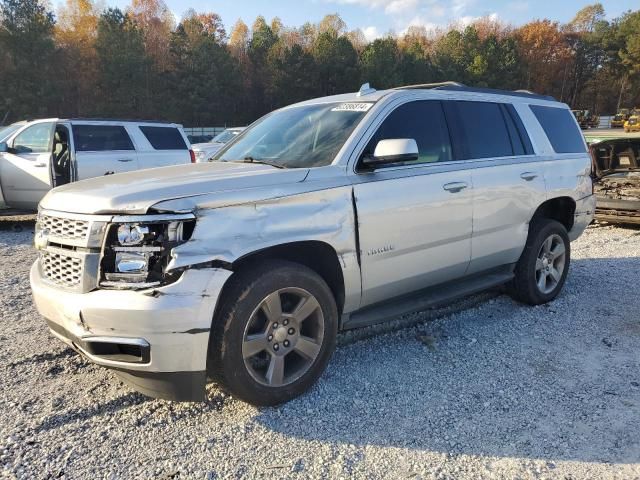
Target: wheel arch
point(317, 255)
point(562, 209)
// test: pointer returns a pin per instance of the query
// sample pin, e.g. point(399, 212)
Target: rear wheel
point(542, 269)
point(274, 334)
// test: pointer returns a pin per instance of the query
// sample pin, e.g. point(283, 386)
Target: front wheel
point(542, 269)
point(274, 334)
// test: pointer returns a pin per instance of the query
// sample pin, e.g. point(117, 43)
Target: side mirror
point(394, 150)
point(4, 147)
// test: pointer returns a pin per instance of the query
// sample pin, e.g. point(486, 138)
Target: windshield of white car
point(225, 136)
point(6, 132)
point(298, 137)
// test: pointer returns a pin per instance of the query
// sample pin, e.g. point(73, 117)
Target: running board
point(428, 298)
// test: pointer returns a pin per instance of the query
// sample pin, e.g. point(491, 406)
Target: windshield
point(225, 136)
point(298, 137)
point(6, 132)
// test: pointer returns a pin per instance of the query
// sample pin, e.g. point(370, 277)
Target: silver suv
point(327, 215)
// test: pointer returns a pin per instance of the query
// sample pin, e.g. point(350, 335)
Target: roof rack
point(455, 86)
point(430, 86)
point(134, 120)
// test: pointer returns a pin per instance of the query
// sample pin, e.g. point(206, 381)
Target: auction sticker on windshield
point(352, 107)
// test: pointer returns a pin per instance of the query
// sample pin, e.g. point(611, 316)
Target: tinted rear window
point(99, 138)
point(561, 129)
point(164, 138)
point(485, 130)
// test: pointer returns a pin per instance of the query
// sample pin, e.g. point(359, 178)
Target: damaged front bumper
point(156, 339)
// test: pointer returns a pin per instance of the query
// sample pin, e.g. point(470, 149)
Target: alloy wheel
point(550, 263)
point(283, 337)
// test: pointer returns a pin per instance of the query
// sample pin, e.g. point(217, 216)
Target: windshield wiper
point(262, 162)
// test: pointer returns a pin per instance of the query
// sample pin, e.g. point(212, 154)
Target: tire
point(547, 250)
point(245, 349)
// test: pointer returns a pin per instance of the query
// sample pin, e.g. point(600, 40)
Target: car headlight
point(132, 234)
point(136, 254)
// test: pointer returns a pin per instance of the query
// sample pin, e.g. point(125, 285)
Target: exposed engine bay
point(616, 169)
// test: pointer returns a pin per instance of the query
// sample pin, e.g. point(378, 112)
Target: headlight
point(136, 254)
point(132, 234)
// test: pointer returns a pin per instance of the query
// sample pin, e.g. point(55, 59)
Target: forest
point(89, 60)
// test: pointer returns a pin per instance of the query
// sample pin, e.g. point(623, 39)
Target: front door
point(25, 173)
point(414, 219)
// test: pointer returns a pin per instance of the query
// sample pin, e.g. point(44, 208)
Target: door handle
point(455, 187)
point(125, 159)
point(528, 176)
point(39, 165)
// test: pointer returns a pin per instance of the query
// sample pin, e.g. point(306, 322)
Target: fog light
point(128, 262)
point(132, 234)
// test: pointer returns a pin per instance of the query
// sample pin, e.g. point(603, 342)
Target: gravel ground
point(491, 389)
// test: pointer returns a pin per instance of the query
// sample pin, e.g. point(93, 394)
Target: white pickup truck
point(39, 155)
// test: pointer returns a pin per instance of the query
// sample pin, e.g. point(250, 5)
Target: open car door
point(25, 168)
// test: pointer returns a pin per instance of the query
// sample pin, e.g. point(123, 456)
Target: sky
point(379, 17)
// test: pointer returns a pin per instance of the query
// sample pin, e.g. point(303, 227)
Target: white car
point(204, 151)
point(38, 155)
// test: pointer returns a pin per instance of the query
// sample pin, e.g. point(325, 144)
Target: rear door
point(25, 169)
point(161, 146)
point(102, 149)
point(508, 180)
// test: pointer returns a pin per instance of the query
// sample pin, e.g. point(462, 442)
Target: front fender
point(229, 233)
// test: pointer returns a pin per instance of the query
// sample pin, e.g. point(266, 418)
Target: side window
point(522, 131)
point(164, 138)
point(561, 129)
point(422, 120)
point(100, 138)
point(483, 126)
point(34, 139)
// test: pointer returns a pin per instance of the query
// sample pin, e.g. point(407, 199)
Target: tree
point(293, 73)
point(156, 22)
point(75, 35)
point(545, 57)
point(357, 39)
point(332, 24)
point(380, 63)
point(203, 83)
point(587, 19)
point(239, 39)
point(28, 53)
point(584, 35)
point(122, 66)
point(337, 64)
point(625, 41)
point(262, 39)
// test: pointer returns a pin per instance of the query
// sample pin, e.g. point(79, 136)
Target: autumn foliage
point(141, 62)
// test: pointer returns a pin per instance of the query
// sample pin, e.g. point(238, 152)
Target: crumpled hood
point(135, 192)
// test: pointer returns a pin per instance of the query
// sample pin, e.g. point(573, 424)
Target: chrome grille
point(61, 269)
point(64, 228)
